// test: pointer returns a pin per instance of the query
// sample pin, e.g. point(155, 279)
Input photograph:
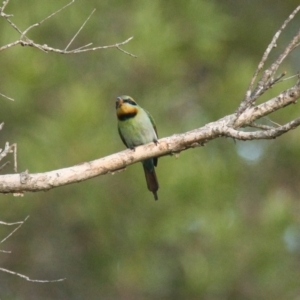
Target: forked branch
point(267, 79)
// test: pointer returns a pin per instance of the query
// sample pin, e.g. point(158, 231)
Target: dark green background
point(227, 223)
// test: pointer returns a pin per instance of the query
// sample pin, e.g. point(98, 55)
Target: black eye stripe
point(129, 101)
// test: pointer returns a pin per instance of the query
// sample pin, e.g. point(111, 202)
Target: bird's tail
point(151, 179)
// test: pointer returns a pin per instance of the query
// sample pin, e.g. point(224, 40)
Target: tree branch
point(267, 81)
point(18, 183)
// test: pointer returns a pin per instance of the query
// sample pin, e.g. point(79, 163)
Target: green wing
point(155, 159)
point(121, 136)
point(152, 122)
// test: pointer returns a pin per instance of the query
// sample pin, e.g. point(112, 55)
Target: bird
point(136, 127)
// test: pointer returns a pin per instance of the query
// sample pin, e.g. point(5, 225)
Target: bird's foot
point(156, 142)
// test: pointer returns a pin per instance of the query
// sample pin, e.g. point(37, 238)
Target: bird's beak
point(119, 102)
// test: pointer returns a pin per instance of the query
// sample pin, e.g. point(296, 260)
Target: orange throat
point(125, 110)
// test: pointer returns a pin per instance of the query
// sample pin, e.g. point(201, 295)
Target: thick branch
point(18, 183)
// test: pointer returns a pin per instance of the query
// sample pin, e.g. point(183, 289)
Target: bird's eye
point(129, 101)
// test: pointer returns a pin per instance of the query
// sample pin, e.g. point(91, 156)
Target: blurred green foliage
point(226, 225)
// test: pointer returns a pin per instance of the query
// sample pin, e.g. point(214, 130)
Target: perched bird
point(136, 127)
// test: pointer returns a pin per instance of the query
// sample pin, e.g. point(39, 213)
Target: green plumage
point(136, 127)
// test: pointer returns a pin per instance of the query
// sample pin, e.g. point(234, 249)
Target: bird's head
point(126, 107)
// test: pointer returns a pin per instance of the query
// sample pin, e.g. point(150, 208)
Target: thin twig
point(31, 280)
point(79, 50)
point(12, 24)
point(10, 45)
point(290, 77)
point(260, 126)
point(87, 45)
point(8, 236)
point(269, 120)
point(5, 251)
point(122, 50)
point(4, 3)
point(4, 165)
point(47, 18)
point(12, 224)
point(289, 48)
point(7, 97)
point(80, 29)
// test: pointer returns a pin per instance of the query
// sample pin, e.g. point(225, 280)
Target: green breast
point(137, 130)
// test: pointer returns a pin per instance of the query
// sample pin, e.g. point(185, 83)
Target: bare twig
point(5, 251)
point(87, 45)
point(4, 3)
point(12, 224)
point(29, 279)
point(47, 18)
point(12, 24)
point(19, 223)
point(260, 126)
point(7, 97)
point(289, 48)
point(271, 121)
point(10, 45)
point(4, 165)
point(290, 77)
point(128, 53)
point(79, 30)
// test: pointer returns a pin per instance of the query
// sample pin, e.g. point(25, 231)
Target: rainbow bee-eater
point(136, 127)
